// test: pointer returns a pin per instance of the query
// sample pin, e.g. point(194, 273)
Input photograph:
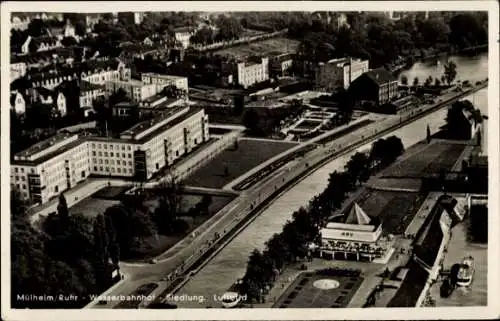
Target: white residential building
point(54, 165)
point(18, 103)
point(17, 70)
point(136, 90)
point(252, 71)
point(339, 73)
point(19, 23)
point(183, 36)
point(90, 92)
point(166, 80)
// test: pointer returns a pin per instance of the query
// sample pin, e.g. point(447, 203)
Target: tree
point(437, 82)
point(456, 123)
point(358, 168)
point(170, 203)
point(428, 81)
point(251, 120)
point(415, 81)
point(450, 71)
point(428, 134)
point(62, 207)
point(69, 42)
point(404, 80)
point(118, 96)
point(239, 104)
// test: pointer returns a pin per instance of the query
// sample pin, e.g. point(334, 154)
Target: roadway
point(178, 261)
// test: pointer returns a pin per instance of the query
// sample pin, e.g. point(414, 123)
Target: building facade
point(357, 238)
point(18, 103)
point(17, 70)
point(136, 90)
point(89, 93)
point(280, 65)
point(252, 71)
point(166, 80)
point(339, 73)
point(376, 86)
point(57, 164)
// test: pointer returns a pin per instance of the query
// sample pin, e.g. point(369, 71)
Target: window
point(95, 168)
point(128, 147)
point(111, 153)
point(17, 178)
point(123, 147)
point(118, 162)
point(24, 186)
point(100, 153)
point(105, 154)
point(100, 161)
point(16, 170)
point(119, 170)
point(93, 153)
point(22, 170)
point(100, 168)
point(105, 146)
point(130, 163)
point(129, 155)
point(123, 155)
point(105, 161)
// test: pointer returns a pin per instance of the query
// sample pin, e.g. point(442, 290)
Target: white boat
point(466, 272)
point(230, 299)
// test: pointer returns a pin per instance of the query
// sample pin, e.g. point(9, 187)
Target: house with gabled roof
point(356, 237)
point(378, 86)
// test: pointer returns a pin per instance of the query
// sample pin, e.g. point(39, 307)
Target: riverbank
point(410, 61)
point(458, 248)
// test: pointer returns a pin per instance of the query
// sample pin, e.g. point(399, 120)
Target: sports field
point(261, 48)
point(426, 159)
point(234, 162)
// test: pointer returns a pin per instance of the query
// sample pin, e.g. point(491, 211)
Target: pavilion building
point(358, 237)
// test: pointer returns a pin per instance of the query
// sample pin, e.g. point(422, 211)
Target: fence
point(240, 41)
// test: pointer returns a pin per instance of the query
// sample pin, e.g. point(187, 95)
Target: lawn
point(303, 294)
point(161, 243)
point(249, 154)
point(91, 207)
point(427, 159)
point(395, 209)
point(111, 192)
point(261, 47)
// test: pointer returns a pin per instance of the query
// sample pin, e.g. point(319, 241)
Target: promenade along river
point(230, 264)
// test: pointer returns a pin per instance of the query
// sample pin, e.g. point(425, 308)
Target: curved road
point(138, 274)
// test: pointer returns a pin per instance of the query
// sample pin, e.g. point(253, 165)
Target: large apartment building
point(339, 73)
point(52, 166)
point(166, 80)
point(252, 71)
point(136, 90)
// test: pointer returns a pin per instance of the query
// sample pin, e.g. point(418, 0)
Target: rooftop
point(142, 126)
point(163, 76)
point(44, 144)
point(380, 76)
point(131, 82)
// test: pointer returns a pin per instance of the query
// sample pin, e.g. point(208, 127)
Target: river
point(468, 68)
point(230, 264)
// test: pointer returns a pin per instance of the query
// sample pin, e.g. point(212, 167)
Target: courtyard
point(234, 162)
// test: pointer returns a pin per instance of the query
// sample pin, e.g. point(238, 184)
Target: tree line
point(65, 254)
point(383, 41)
point(291, 245)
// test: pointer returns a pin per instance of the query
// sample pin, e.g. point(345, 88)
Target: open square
point(320, 289)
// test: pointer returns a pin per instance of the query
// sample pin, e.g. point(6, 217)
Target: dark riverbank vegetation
point(291, 245)
point(478, 224)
